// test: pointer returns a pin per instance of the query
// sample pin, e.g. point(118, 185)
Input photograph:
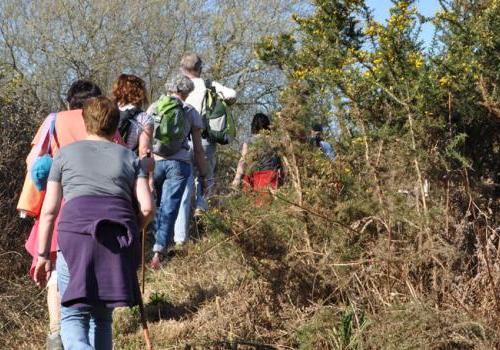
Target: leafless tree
point(50, 43)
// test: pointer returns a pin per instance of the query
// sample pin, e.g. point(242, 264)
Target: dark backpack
point(126, 118)
point(219, 125)
point(170, 127)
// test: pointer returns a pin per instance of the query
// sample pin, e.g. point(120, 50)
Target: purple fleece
point(98, 237)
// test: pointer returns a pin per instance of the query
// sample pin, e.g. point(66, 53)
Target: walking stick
point(144, 323)
point(142, 312)
point(143, 262)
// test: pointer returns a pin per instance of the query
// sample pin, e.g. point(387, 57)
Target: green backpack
point(170, 127)
point(219, 125)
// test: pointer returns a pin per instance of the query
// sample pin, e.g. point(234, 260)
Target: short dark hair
point(101, 116)
point(260, 122)
point(79, 91)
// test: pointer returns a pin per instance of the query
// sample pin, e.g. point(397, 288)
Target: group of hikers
point(100, 171)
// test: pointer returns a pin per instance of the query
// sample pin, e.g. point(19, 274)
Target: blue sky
point(425, 7)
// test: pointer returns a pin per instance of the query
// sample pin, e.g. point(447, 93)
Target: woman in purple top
point(107, 202)
point(136, 126)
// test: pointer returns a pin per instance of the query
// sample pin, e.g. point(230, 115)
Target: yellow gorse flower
point(419, 62)
point(403, 5)
point(416, 59)
point(444, 81)
point(371, 30)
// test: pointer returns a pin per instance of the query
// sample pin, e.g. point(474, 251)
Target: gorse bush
point(409, 211)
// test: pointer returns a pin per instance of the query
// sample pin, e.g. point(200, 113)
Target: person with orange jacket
point(69, 127)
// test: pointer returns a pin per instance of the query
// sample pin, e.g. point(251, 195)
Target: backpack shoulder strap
point(49, 126)
point(180, 106)
point(126, 118)
point(134, 112)
point(209, 84)
point(52, 133)
point(204, 100)
point(130, 113)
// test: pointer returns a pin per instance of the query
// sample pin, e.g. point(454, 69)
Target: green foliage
point(126, 320)
point(417, 326)
point(332, 330)
point(158, 298)
point(418, 146)
point(275, 50)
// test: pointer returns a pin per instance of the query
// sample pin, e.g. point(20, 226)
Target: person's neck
point(180, 97)
point(190, 75)
point(93, 137)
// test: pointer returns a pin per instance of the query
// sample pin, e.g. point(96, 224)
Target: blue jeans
point(170, 180)
point(83, 328)
point(182, 221)
point(209, 149)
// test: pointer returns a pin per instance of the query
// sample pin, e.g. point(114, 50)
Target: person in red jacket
point(260, 164)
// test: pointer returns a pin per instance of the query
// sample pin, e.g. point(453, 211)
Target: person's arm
point(199, 155)
point(145, 140)
point(145, 146)
point(146, 134)
point(241, 166)
point(145, 201)
point(50, 210)
point(228, 94)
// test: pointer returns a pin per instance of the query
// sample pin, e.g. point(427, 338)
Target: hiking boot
point(54, 341)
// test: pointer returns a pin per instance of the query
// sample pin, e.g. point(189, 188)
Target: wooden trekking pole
point(142, 311)
point(144, 323)
point(143, 261)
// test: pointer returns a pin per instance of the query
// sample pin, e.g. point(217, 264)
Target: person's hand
point(42, 271)
point(235, 185)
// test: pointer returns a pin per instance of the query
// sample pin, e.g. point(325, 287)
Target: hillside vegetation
point(395, 245)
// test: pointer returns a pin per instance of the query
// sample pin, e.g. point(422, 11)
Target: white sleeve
point(224, 91)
